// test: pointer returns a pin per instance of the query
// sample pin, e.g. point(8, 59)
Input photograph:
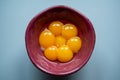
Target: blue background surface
point(15, 15)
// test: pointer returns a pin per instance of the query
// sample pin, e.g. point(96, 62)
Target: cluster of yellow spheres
point(60, 41)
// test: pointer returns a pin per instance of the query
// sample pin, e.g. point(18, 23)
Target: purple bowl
point(64, 14)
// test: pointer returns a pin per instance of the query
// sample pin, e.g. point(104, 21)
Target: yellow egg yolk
point(56, 27)
point(64, 54)
point(46, 39)
point(75, 44)
point(59, 41)
point(51, 53)
point(69, 30)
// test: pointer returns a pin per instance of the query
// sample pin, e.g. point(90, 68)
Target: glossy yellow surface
point(51, 53)
point(69, 30)
point(56, 27)
point(59, 41)
point(64, 54)
point(75, 44)
point(46, 39)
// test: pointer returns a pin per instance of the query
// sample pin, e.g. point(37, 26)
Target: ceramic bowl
point(64, 14)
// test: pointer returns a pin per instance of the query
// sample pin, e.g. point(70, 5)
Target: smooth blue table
point(15, 15)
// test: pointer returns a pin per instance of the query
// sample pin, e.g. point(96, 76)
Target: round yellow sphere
point(51, 53)
point(75, 44)
point(64, 54)
point(69, 30)
point(46, 39)
point(56, 27)
point(59, 41)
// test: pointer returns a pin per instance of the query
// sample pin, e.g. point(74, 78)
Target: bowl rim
point(78, 13)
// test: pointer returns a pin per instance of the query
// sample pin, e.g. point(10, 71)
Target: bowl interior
point(64, 14)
